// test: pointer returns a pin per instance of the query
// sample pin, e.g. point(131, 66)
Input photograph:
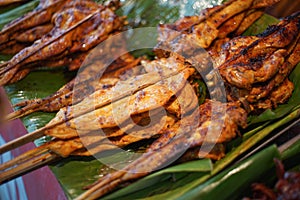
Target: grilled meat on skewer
point(65, 61)
point(34, 34)
point(103, 98)
point(40, 16)
point(24, 39)
point(213, 23)
point(256, 54)
point(65, 96)
point(260, 96)
point(161, 90)
point(184, 138)
point(255, 67)
point(168, 141)
point(119, 70)
point(77, 28)
point(278, 95)
point(109, 116)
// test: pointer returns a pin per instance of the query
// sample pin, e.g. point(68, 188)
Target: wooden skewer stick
point(35, 163)
point(24, 157)
point(23, 140)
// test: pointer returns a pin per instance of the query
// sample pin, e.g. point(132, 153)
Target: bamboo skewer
point(24, 157)
point(36, 162)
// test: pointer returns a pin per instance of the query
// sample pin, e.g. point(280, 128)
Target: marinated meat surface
point(169, 148)
point(228, 19)
point(255, 68)
point(78, 27)
point(39, 17)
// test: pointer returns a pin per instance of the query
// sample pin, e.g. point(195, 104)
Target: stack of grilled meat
point(78, 26)
point(155, 100)
point(256, 68)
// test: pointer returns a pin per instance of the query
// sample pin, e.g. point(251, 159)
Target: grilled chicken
point(111, 115)
point(192, 131)
point(255, 67)
point(245, 63)
point(85, 83)
point(228, 19)
point(77, 28)
point(31, 26)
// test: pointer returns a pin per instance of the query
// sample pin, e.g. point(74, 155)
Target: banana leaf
point(231, 182)
point(235, 182)
point(74, 173)
point(169, 179)
point(7, 16)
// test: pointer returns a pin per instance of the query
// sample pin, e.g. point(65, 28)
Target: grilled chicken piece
point(98, 141)
point(38, 17)
point(255, 66)
point(215, 153)
point(20, 41)
point(261, 59)
point(78, 27)
point(278, 95)
point(120, 70)
point(220, 21)
point(190, 133)
point(264, 89)
point(34, 34)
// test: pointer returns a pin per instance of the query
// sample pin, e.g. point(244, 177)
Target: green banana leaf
point(231, 182)
point(73, 173)
point(7, 16)
point(235, 182)
point(169, 179)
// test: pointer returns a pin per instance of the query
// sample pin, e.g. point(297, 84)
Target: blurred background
point(284, 8)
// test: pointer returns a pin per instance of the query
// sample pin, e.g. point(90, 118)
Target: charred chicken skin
point(32, 26)
point(256, 68)
point(79, 26)
point(114, 113)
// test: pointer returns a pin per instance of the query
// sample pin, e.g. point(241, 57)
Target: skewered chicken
point(230, 18)
point(77, 28)
point(256, 68)
point(192, 131)
point(31, 26)
point(173, 143)
point(230, 25)
point(68, 124)
point(120, 69)
point(135, 97)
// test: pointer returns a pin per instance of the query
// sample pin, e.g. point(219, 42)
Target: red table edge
point(41, 183)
